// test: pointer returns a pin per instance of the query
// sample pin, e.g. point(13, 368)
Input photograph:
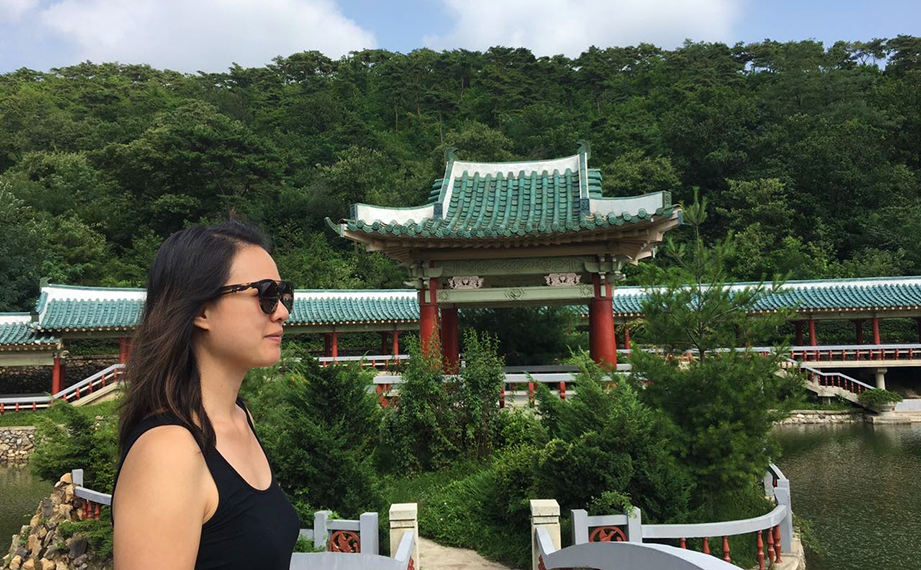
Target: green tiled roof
point(879, 293)
point(510, 200)
point(16, 332)
point(114, 309)
point(108, 314)
point(341, 307)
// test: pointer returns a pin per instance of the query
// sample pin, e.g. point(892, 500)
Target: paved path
point(437, 557)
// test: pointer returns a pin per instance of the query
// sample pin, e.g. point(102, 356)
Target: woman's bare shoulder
point(168, 452)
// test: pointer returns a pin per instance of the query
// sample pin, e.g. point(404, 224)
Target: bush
point(80, 441)
point(877, 397)
point(419, 430)
point(319, 427)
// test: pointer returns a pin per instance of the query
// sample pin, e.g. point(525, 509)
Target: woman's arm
point(160, 502)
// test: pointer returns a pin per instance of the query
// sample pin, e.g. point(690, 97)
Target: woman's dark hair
point(162, 373)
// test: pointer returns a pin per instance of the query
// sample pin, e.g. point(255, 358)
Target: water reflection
point(859, 485)
point(20, 493)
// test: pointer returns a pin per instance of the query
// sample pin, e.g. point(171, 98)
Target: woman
point(194, 488)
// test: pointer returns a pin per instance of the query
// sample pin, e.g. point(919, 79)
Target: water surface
point(860, 486)
point(20, 493)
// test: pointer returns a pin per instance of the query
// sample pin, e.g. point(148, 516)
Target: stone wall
point(824, 417)
point(40, 544)
point(32, 379)
point(16, 443)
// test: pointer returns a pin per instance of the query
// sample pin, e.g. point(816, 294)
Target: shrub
point(419, 430)
point(319, 426)
point(877, 397)
point(80, 442)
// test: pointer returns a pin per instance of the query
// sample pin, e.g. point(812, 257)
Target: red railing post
point(777, 544)
point(706, 548)
point(760, 550)
point(726, 549)
point(531, 391)
point(770, 541)
point(684, 543)
point(562, 390)
point(502, 396)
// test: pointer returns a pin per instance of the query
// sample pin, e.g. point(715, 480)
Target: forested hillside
point(812, 153)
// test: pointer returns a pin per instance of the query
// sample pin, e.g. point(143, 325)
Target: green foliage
point(419, 431)
point(97, 533)
point(879, 397)
point(319, 426)
point(481, 379)
point(79, 441)
point(540, 334)
point(724, 403)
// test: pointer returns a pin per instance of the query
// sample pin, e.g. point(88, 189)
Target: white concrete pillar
point(404, 517)
point(881, 378)
point(545, 513)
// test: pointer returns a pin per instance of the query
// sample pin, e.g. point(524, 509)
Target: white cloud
point(12, 10)
point(550, 27)
point(207, 35)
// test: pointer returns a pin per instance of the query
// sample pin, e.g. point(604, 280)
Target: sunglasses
point(270, 292)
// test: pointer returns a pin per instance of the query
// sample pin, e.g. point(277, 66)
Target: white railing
point(593, 531)
point(84, 387)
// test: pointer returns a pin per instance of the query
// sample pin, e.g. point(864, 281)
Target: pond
point(859, 486)
point(20, 493)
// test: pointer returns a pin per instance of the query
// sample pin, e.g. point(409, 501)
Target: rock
point(22, 552)
point(51, 552)
point(34, 521)
point(28, 564)
point(67, 479)
point(80, 560)
point(61, 565)
point(34, 545)
point(77, 548)
point(63, 511)
point(47, 508)
point(16, 562)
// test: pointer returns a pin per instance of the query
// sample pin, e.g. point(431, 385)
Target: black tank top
point(251, 528)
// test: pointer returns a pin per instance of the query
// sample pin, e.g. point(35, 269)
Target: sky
point(211, 35)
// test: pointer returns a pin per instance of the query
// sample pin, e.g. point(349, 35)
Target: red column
point(122, 350)
point(799, 332)
point(428, 314)
point(396, 343)
point(601, 335)
point(450, 341)
point(383, 342)
point(813, 341)
point(627, 335)
point(875, 322)
point(334, 344)
point(858, 328)
point(56, 375)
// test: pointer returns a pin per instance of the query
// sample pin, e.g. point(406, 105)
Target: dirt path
point(437, 557)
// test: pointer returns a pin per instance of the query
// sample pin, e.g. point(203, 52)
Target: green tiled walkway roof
point(875, 293)
point(313, 307)
point(509, 200)
point(63, 308)
point(16, 333)
point(70, 308)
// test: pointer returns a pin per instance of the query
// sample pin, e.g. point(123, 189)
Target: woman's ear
point(201, 319)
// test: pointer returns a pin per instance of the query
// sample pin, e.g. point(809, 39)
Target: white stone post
point(782, 494)
point(368, 531)
point(404, 517)
point(320, 533)
point(545, 513)
point(881, 378)
point(635, 525)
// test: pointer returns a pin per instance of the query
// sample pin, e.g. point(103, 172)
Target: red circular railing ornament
point(345, 541)
point(607, 534)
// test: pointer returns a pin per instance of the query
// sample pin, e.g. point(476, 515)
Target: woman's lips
point(275, 337)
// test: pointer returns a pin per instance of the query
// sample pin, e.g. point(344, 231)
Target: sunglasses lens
point(270, 294)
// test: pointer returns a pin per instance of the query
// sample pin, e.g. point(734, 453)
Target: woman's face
point(238, 331)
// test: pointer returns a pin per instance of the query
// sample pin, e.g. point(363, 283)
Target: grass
point(29, 418)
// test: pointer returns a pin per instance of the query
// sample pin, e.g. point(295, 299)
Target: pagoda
point(501, 234)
